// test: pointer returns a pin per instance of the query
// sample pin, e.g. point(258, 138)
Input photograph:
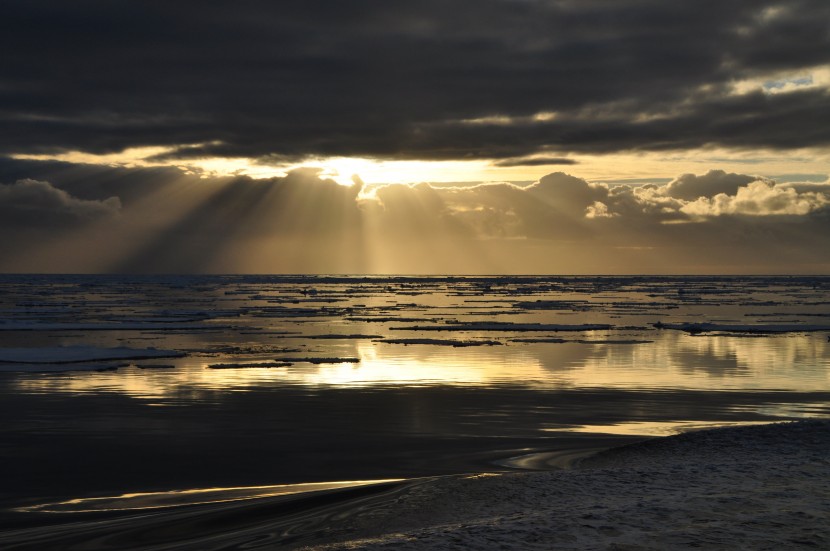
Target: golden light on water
point(715, 364)
point(197, 496)
point(655, 428)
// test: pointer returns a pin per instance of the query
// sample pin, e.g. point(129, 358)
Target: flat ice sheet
point(762, 487)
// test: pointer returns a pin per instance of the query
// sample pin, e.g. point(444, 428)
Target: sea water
point(119, 384)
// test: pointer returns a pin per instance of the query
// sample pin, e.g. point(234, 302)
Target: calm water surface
point(370, 379)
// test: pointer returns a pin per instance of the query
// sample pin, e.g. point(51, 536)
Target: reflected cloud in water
point(673, 361)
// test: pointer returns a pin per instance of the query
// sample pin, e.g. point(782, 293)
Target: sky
point(429, 137)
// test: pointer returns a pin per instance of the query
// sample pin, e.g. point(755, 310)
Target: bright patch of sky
point(783, 83)
point(807, 165)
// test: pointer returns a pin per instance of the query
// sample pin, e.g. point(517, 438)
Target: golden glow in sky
point(377, 171)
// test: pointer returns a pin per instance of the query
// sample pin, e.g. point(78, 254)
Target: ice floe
point(742, 328)
point(334, 336)
point(320, 360)
point(249, 365)
point(442, 342)
point(555, 340)
point(506, 326)
point(59, 368)
point(17, 325)
point(77, 354)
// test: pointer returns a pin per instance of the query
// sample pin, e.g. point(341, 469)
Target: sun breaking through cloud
point(419, 137)
point(307, 222)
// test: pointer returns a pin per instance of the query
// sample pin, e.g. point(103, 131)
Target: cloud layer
point(174, 222)
point(493, 79)
point(35, 204)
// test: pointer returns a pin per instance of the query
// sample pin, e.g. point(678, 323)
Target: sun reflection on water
point(794, 363)
point(198, 496)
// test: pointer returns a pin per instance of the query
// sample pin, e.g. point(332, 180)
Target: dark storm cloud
point(99, 182)
point(35, 204)
point(536, 161)
point(691, 186)
point(395, 79)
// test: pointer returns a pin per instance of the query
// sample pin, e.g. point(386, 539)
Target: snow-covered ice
point(759, 487)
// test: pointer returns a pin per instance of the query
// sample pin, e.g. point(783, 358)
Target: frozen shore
point(759, 487)
point(752, 488)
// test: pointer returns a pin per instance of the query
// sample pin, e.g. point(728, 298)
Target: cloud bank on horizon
point(164, 220)
point(107, 109)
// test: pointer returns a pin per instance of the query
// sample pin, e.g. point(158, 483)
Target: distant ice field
point(113, 384)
